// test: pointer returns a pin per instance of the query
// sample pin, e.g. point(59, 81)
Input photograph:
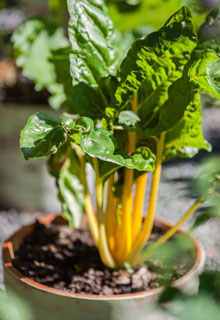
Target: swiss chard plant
point(129, 112)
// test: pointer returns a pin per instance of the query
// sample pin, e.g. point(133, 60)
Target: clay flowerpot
point(53, 304)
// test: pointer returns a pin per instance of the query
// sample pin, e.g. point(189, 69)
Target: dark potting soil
point(58, 257)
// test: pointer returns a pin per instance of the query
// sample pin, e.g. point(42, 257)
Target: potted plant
point(131, 111)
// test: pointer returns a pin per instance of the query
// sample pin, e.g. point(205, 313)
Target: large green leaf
point(97, 51)
point(92, 37)
point(65, 166)
point(41, 136)
point(33, 43)
point(186, 138)
point(153, 68)
point(99, 144)
point(204, 72)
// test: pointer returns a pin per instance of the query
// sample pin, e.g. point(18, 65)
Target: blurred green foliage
point(207, 184)
point(12, 308)
point(202, 306)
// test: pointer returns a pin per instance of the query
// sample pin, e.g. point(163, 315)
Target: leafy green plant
point(130, 112)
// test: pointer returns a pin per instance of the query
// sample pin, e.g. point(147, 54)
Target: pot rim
point(8, 255)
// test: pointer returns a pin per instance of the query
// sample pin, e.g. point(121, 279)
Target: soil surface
point(58, 257)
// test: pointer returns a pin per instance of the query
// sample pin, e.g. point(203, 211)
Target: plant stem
point(88, 202)
point(125, 228)
point(125, 231)
point(148, 222)
point(147, 252)
point(138, 205)
point(103, 247)
point(110, 216)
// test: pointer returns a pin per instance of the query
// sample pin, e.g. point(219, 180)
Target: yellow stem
point(88, 203)
point(149, 220)
point(103, 247)
point(145, 255)
point(138, 205)
point(117, 234)
point(110, 216)
point(125, 228)
point(124, 243)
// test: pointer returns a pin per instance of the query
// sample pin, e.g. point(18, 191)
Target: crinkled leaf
point(157, 60)
point(97, 51)
point(99, 144)
point(153, 68)
point(65, 167)
point(186, 138)
point(41, 136)
point(92, 37)
point(202, 70)
point(33, 43)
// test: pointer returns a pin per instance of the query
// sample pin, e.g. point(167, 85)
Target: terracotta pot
point(53, 304)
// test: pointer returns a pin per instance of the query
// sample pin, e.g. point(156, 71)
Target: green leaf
point(65, 166)
point(33, 44)
point(128, 118)
point(87, 101)
point(92, 37)
point(152, 66)
point(97, 51)
point(99, 144)
point(68, 123)
point(201, 71)
point(186, 138)
point(41, 136)
point(213, 72)
point(85, 124)
point(59, 58)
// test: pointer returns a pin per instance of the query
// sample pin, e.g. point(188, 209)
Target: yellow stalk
point(149, 220)
point(138, 205)
point(124, 242)
point(145, 255)
point(88, 202)
point(117, 234)
point(110, 216)
point(103, 247)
